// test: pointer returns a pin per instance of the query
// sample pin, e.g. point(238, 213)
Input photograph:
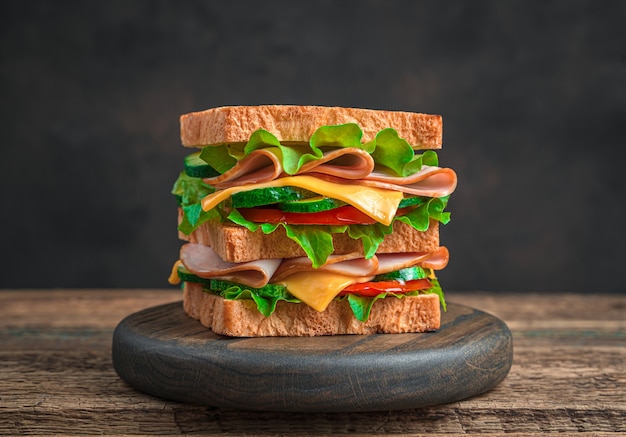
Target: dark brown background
point(532, 94)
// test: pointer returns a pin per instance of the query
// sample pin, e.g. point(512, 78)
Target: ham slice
point(357, 266)
point(344, 165)
point(430, 181)
point(390, 262)
point(350, 265)
point(202, 261)
point(261, 165)
point(348, 163)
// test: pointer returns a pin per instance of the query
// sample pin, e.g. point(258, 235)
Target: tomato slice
point(343, 215)
point(371, 289)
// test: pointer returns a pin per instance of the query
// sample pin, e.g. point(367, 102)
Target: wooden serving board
point(163, 352)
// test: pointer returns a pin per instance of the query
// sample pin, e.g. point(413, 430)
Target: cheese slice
point(318, 288)
point(378, 203)
point(174, 277)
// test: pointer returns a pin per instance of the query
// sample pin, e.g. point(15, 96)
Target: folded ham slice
point(345, 165)
point(263, 165)
point(348, 163)
point(202, 261)
point(350, 265)
point(357, 266)
point(430, 181)
point(390, 262)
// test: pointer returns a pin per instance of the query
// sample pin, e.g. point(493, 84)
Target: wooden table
point(57, 377)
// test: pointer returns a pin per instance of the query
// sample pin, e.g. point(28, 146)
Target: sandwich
point(311, 220)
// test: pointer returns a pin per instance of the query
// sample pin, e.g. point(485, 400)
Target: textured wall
point(533, 97)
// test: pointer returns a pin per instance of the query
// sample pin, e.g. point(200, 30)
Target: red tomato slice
point(371, 289)
point(343, 215)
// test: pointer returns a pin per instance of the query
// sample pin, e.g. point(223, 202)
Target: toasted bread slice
point(240, 318)
point(289, 123)
point(235, 243)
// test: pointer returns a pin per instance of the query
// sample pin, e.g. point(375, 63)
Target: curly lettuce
point(189, 191)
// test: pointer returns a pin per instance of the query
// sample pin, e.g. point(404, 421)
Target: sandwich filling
point(359, 280)
point(334, 184)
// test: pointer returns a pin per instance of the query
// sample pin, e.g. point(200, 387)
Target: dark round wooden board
point(163, 352)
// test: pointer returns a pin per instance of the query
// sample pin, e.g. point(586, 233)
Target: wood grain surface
point(164, 352)
point(57, 376)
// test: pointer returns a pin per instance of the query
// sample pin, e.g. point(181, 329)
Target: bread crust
point(235, 243)
point(291, 123)
point(240, 318)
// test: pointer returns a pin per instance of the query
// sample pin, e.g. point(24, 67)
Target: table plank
point(56, 373)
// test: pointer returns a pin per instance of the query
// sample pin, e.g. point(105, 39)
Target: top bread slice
point(290, 123)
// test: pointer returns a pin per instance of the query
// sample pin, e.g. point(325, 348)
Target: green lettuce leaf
point(420, 217)
point(189, 191)
point(265, 304)
point(236, 217)
point(429, 157)
point(218, 157)
point(393, 152)
point(260, 139)
point(436, 208)
point(317, 241)
point(342, 135)
point(361, 306)
point(370, 235)
point(436, 289)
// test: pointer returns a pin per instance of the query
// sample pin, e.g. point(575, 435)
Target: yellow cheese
point(317, 288)
point(378, 203)
point(430, 274)
point(174, 277)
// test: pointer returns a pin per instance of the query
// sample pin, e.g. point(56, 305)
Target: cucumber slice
point(269, 290)
point(408, 274)
point(411, 201)
point(186, 276)
point(198, 168)
point(265, 196)
point(312, 204)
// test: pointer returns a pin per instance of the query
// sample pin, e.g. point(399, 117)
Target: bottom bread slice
point(240, 318)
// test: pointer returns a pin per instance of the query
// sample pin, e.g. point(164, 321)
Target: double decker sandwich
point(311, 220)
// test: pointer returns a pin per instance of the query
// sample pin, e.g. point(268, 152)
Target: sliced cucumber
point(198, 168)
point(411, 201)
point(312, 204)
point(186, 276)
point(265, 196)
point(408, 274)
